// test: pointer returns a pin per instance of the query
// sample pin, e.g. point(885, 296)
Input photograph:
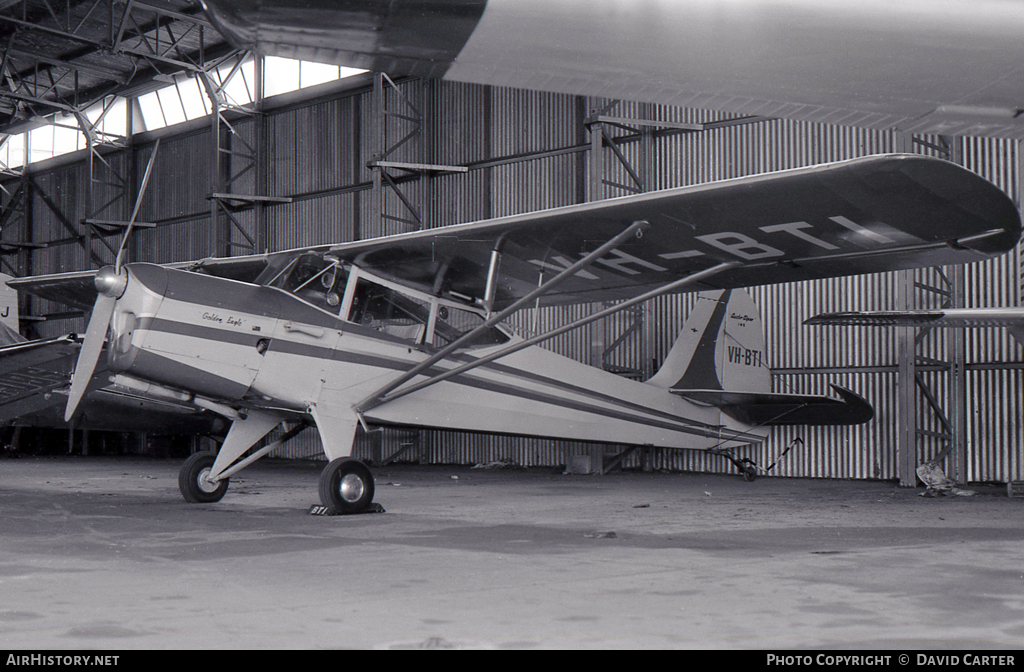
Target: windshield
point(311, 277)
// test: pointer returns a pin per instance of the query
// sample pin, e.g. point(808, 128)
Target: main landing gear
point(346, 484)
point(192, 480)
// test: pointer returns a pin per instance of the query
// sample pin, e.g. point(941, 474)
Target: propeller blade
point(138, 204)
point(95, 335)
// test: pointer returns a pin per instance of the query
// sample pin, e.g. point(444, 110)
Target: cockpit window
point(389, 311)
point(311, 277)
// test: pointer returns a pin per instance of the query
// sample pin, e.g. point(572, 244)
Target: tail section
point(721, 347)
point(719, 360)
point(9, 325)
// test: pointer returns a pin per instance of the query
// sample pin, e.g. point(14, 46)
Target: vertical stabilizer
point(9, 326)
point(721, 347)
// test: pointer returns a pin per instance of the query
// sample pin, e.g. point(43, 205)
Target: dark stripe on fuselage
point(667, 420)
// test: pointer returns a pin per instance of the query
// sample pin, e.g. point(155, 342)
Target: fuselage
point(258, 346)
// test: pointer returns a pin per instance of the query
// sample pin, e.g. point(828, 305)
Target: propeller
point(110, 282)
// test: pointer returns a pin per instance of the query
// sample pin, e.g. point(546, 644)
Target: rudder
point(721, 347)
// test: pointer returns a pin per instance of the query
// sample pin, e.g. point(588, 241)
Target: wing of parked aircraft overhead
point(952, 68)
point(864, 215)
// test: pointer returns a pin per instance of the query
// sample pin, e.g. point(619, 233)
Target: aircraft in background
point(946, 318)
point(34, 378)
point(949, 68)
point(406, 330)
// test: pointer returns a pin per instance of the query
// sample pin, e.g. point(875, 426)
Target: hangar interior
point(258, 154)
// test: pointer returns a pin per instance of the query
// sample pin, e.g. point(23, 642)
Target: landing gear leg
point(346, 486)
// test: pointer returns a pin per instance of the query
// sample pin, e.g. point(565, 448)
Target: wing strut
point(390, 395)
point(635, 229)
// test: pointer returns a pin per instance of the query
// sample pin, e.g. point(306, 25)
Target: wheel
point(192, 480)
point(749, 474)
point(346, 486)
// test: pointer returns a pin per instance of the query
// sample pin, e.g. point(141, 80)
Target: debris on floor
point(601, 535)
point(494, 464)
point(937, 484)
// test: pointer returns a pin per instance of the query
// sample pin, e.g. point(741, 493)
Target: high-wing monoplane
point(406, 330)
point(951, 67)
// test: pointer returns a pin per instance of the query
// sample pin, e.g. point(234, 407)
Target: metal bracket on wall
point(397, 115)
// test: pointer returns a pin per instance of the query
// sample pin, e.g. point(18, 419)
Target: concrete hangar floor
point(103, 553)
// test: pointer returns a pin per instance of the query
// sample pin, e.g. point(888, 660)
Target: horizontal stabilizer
point(769, 409)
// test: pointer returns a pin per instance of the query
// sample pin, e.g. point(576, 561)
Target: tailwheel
point(746, 466)
point(346, 486)
point(192, 480)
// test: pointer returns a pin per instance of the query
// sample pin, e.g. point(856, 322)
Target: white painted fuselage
point(255, 347)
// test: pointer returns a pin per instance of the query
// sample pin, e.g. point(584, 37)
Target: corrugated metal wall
point(528, 151)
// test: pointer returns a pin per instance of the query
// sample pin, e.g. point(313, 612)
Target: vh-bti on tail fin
point(719, 360)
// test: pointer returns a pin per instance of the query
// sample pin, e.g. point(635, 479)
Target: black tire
point(346, 486)
point(190, 480)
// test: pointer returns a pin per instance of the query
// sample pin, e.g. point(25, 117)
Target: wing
point(874, 63)
point(865, 215)
point(1012, 318)
point(945, 317)
point(30, 373)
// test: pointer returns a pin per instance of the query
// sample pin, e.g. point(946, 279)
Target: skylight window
point(237, 83)
point(59, 136)
point(109, 119)
point(281, 75)
point(182, 100)
point(12, 151)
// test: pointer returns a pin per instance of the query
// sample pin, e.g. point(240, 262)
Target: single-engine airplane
point(406, 329)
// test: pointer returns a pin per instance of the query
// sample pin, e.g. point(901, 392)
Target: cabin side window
point(389, 311)
point(453, 322)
